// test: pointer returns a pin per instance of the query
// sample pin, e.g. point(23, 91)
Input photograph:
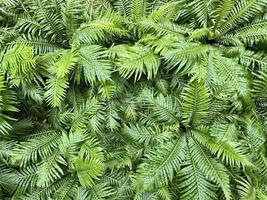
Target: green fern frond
point(123, 7)
point(254, 134)
point(6, 149)
point(94, 64)
point(229, 152)
point(34, 148)
point(100, 191)
point(86, 110)
point(55, 90)
point(136, 60)
point(49, 170)
point(110, 24)
point(82, 193)
point(260, 83)
point(243, 11)
point(33, 91)
point(251, 34)
point(162, 109)
point(224, 132)
point(138, 8)
point(88, 170)
point(5, 127)
point(65, 63)
point(39, 44)
point(221, 12)
point(245, 189)
point(26, 178)
point(249, 58)
point(193, 183)
point(7, 102)
point(67, 190)
point(133, 99)
point(225, 73)
point(69, 146)
point(19, 62)
point(7, 178)
point(196, 103)
point(96, 121)
point(90, 149)
point(147, 135)
point(214, 170)
point(199, 34)
point(112, 115)
point(11, 3)
point(148, 25)
point(50, 19)
point(183, 55)
point(45, 192)
point(71, 12)
point(163, 44)
point(200, 8)
point(29, 25)
point(160, 165)
point(166, 11)
point(260, 162)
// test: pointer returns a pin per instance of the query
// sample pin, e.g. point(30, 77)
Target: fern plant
point(133, 99)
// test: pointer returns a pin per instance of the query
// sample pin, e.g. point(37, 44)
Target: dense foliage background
point(143, 100)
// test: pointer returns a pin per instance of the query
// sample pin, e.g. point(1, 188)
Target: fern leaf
point(137, 60)
point(27, 177)
point(183, 55)
point(162, 109)
point(90, 149)
point(166, 11)
point(228, 152)
point(100, 191)
point(33, 148)
point(138, 8)
point(65, 63)
point(95, 64)
point(260, 83)
point(245, 189)
point(50, 170)
point(67, 190)
point(200, 8)
point(88, 170)
point(110, 24)
point(196, 103)
point(147, 135)
point(242, 12)
point(55, 90)
point(224, 132)
point(112, 116)
point(165, 27)
point(214, 170)
point(250, 34)
point(71, 12)
point(19, 62)
point(249, 58)
point(123, 7)
point(194, 184)
point(160, 165)
point(221, 12)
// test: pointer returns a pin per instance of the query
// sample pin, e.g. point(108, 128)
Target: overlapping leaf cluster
point(133, 99)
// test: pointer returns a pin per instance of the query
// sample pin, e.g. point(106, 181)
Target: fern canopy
point(133, 99)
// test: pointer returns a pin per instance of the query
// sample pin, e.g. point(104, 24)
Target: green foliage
point(136, 60)
point(133, 99)
point(196, 103)
point(159, 167)
point(19, 63)
point(93, 64)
